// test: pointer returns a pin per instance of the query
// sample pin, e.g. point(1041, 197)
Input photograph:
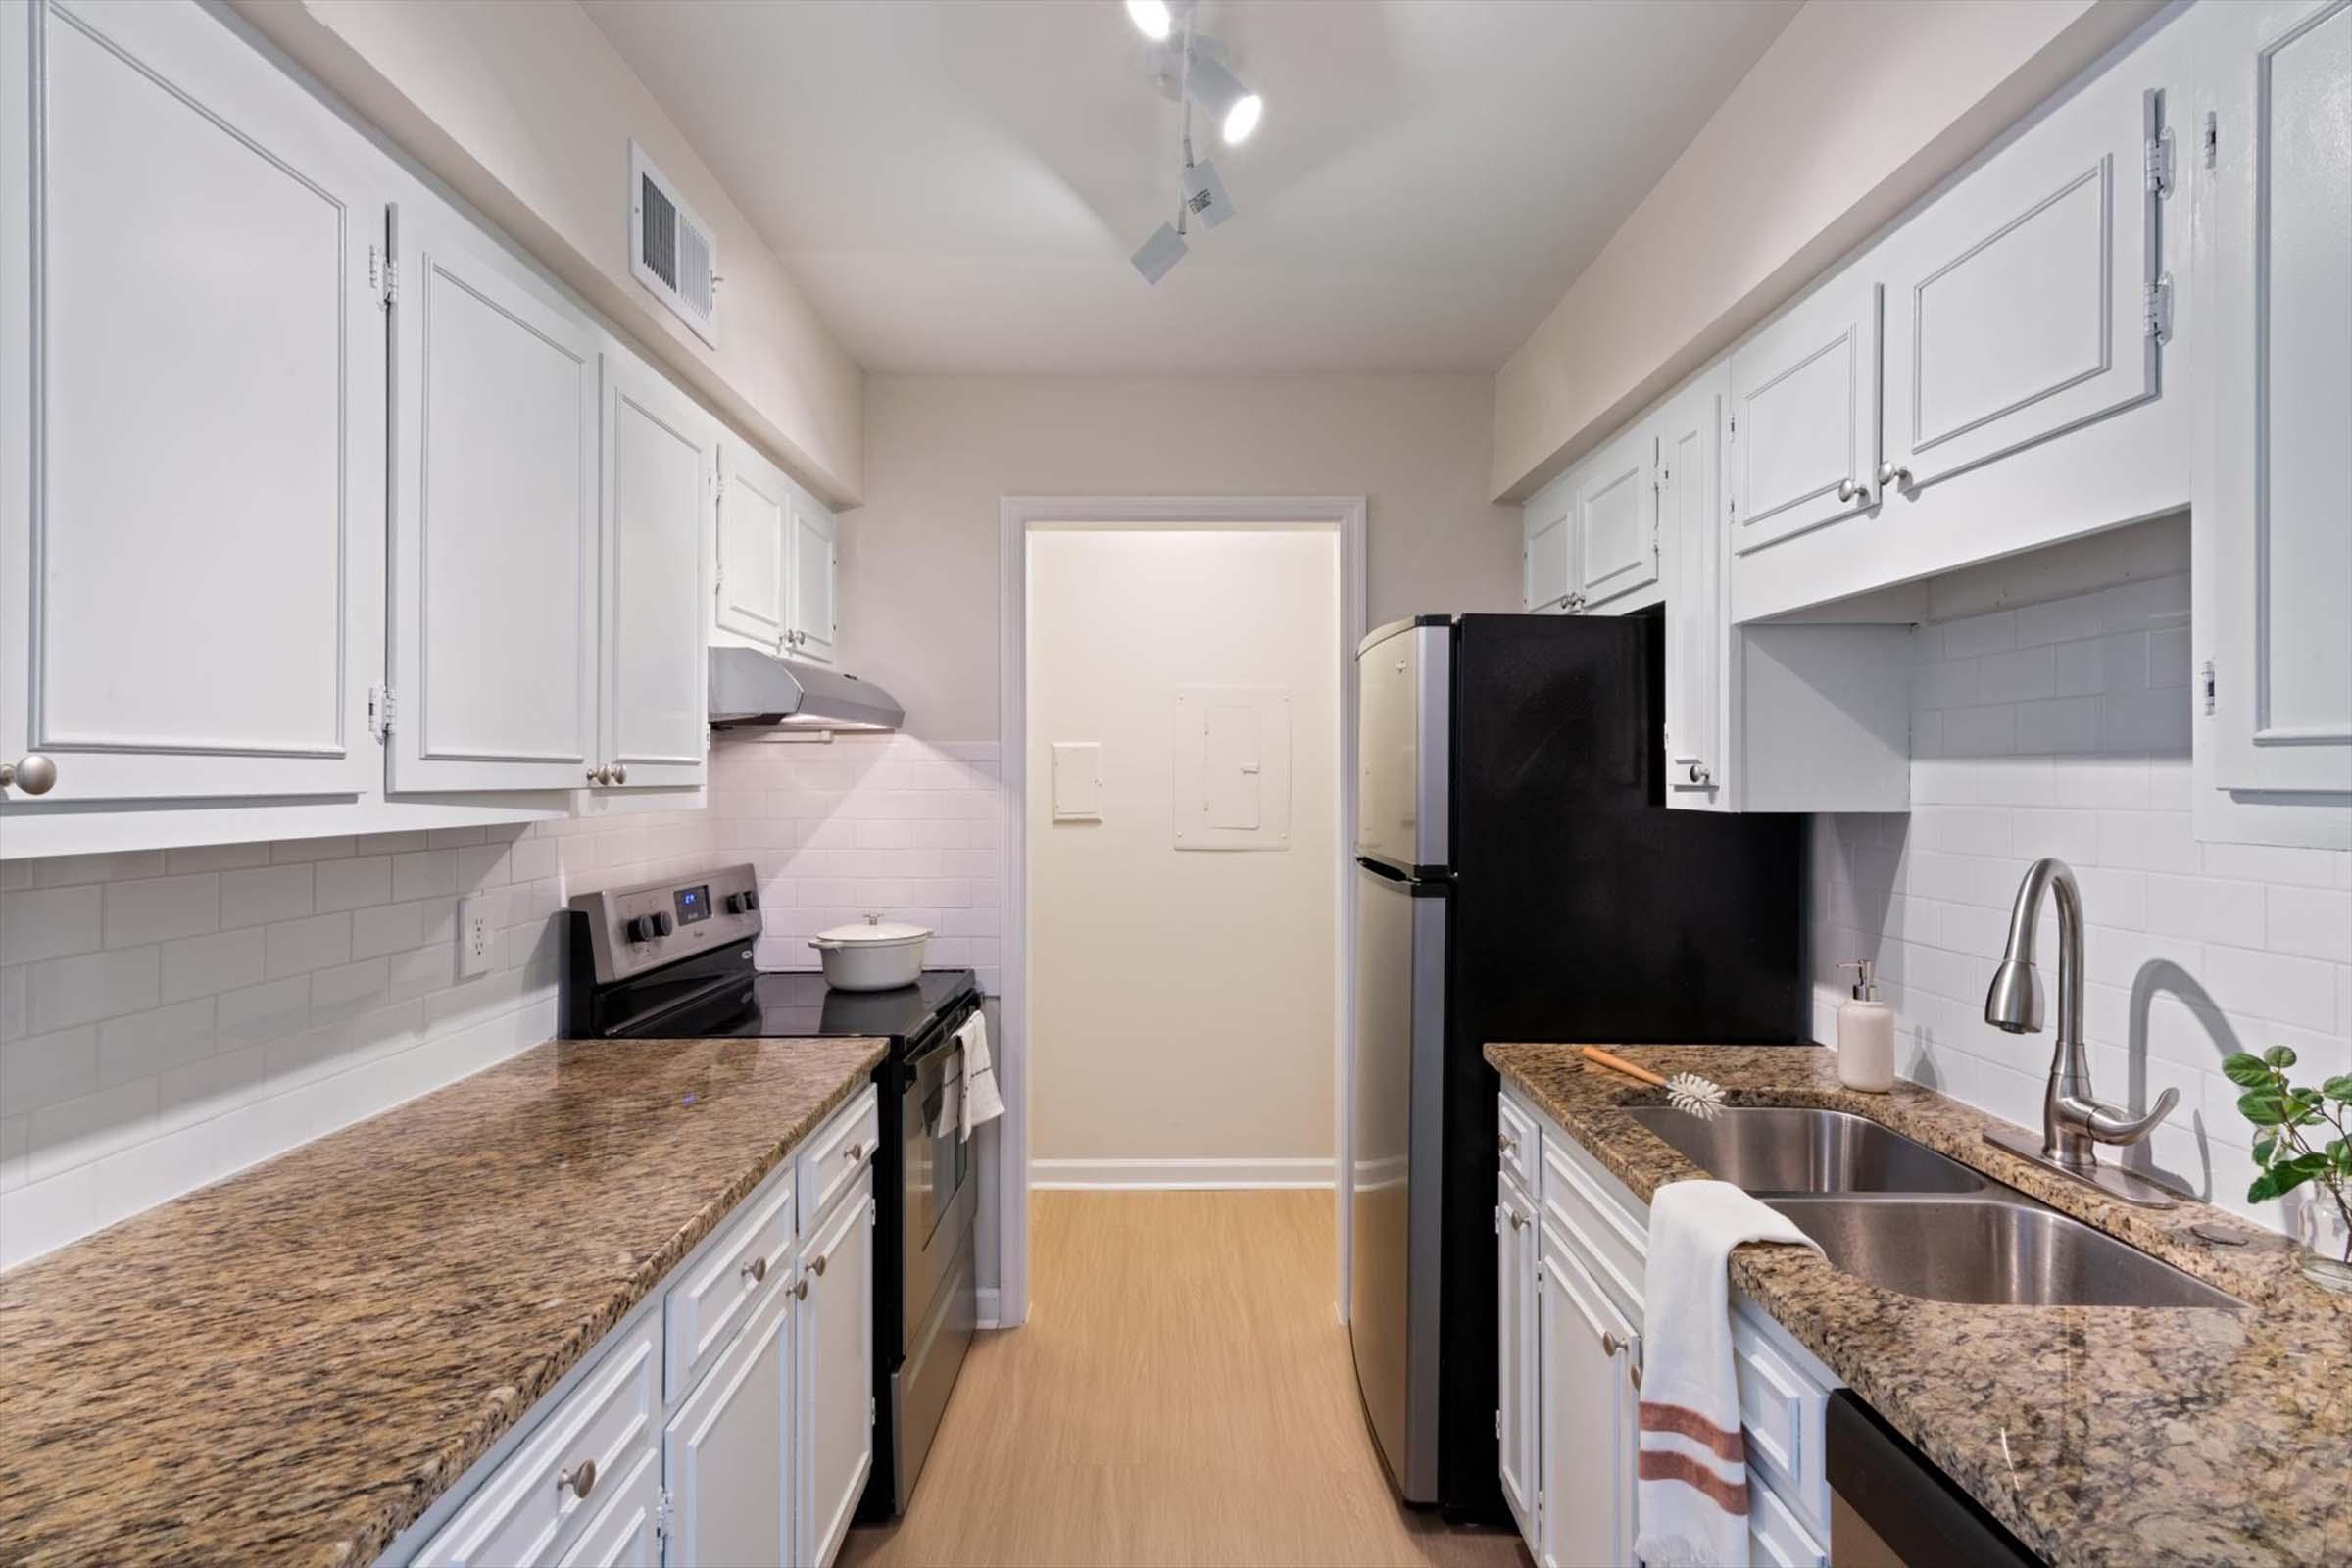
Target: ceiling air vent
point(671, 249)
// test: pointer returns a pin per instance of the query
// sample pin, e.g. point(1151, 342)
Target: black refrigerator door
point(1396, 1130)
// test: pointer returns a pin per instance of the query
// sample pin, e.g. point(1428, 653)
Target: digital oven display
point(694, 903)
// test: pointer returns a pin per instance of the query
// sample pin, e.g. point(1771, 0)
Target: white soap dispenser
point(1865, 1034)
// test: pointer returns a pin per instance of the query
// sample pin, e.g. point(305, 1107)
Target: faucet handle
point(2111, 1126)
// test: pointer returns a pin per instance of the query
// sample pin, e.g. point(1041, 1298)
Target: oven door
point(938, 1195)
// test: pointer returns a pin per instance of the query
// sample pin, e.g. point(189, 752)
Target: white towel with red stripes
point(1691, 1499)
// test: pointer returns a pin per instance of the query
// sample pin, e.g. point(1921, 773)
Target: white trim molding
point(1017, 517)
point(1175, 1175)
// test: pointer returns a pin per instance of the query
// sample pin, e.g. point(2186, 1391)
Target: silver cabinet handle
point(1610, 1344)
point(1698, 773)
point(1889, 474)
point(854, 1154)
point(1848, 490)
point(819, 1264)
point(620, 774)
point(756, 1270)
point(1518, 1220)
point(1507, 1143)
point(600, 774)
point(580, 1479)
point(799, 1289)
point(33, 773)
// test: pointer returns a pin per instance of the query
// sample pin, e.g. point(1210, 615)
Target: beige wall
point(1183, 1007)
point(527, 112)
point(919, 563)
point(1856, 110)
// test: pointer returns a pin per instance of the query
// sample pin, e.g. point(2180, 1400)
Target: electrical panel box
point(1232, 762)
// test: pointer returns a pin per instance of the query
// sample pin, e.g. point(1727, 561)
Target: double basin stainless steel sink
point(1897, 1214)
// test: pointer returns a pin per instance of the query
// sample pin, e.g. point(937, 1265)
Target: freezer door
point(1404, 683)
point(1400, 1054)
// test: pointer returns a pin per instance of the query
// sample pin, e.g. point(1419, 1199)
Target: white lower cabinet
point(1575, 1377)
point(1515, 1346)
point(729, 1423)
point(1585, 1352)
point(729, 1448)
point(837, 1358)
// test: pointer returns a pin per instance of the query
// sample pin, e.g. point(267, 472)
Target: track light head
point(1234, 108)
point(1151, 18)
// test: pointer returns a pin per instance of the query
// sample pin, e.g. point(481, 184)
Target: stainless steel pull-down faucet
point(2074, 1120)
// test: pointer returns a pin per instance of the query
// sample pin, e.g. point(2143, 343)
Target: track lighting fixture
point(1192, 69)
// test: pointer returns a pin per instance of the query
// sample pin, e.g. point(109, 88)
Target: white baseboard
point(1051, 1175)
point(984, 1308)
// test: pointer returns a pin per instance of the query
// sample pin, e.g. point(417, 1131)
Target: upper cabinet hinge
point(383, 277)
point(2160, 306)
point(2160, 163)
point(2205, 683)
point(380, 707)
point(664, 1514)
point(2212, 139)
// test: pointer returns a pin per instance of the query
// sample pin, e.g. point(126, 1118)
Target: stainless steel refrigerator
point(1518, 877)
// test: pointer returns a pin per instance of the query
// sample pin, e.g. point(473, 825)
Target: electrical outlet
point(473, 938)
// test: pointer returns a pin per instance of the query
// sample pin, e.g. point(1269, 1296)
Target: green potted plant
point(2301, 1138)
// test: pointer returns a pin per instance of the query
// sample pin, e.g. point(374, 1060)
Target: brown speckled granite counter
point(291, 1365)
point(2101, 1436)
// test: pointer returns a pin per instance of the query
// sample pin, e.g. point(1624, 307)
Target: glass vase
point(2326, 1241)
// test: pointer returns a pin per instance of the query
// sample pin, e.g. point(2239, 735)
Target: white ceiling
point(957, 185)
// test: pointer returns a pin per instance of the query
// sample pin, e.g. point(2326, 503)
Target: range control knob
point(646, 927)
point(742, 903)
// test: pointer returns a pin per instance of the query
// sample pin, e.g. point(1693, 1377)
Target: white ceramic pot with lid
point(878, 955)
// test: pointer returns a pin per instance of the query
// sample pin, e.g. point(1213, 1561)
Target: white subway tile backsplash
point(348, 884)
point(48, 924)
point(43, 1070)
point(201, 966)
point(259, 896)
point(297, 947)
point(147, 1044)
point(93, 986)
point(2194, 950)
point(160, 908)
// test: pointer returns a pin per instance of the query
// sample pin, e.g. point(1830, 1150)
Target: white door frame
point(1019, 515)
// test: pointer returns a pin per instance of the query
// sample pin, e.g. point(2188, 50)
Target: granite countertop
point(290, 1365)
point(2103, 1436)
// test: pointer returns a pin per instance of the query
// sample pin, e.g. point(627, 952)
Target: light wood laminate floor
point(1180, 1394)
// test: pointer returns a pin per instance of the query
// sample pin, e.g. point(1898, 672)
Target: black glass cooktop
point(796, 1004)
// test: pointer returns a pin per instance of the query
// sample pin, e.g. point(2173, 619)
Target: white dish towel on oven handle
point(1691, 1498)
point(980, 1100)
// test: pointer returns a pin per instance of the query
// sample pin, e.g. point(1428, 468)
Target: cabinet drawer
point(831, 1159)
point(624, 1535)
point(526, 1512)
point(1774, 1536)
point(1517, 1143)
point(1585, 1202)
point(751, 1257)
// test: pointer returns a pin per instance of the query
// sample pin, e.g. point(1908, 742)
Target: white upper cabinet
point(1689, 432)
point(811, 633)
point(2274, 507)
point(1803, 438)
point(1548, 556)
point(2025, 300)
point(755, 501)
point(661, 480)
point(494, 522)
point(1616, 521)
point(191, 414)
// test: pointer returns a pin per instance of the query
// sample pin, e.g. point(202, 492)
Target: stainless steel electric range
point(674, 960)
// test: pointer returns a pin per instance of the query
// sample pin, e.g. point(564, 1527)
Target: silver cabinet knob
point(1507, 1143)
point(580, 1479)
point(1518, 1220)
point(33, 773)
point(1889, 474)
point(1610, 1344)
point(819, 1264)
point(620, 774)
point(854, 1154)
point(756, 1270)
point(799, 1289)
point(1848, 490)
point(1698, 773)
point(600, 774)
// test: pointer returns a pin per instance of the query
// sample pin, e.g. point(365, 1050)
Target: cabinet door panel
point(1545, 561)
point(810, 576)
point(626, 1534)
point(1617, 519)
point(1690, 481)
point(2278, 536)
point(1805, 416)
point(191, 534)
point(837, 1359)
point(1588, 1435)
point(751, 541)
point(728, 1453)
point(1515, 1402)
point(2017, 301)
point(659, 480)
point(495, 526)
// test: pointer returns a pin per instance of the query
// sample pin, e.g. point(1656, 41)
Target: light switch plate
point(473, 938)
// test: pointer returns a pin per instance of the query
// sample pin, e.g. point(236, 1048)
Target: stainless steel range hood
point(752, 689)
